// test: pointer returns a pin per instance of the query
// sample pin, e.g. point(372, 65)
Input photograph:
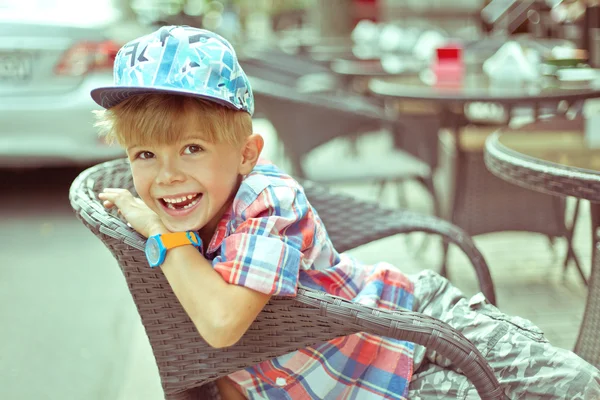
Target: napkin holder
point(510, 64)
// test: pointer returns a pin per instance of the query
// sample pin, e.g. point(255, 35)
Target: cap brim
point(110, 96)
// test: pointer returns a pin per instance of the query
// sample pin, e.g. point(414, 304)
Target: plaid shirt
point(272, 241)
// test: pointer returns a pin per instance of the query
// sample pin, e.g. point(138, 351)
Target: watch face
point(152, 250)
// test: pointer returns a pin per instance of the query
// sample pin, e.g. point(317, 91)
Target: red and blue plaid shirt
point(273, 241)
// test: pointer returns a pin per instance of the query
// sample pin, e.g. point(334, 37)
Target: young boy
point(229, 231)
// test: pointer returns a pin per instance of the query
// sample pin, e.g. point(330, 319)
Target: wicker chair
point(482, 203)
point(187, 364)
point(289, 69)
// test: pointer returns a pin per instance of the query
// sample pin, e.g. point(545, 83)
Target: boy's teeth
point(191, 204)
point(180, 199)
point(172, 207)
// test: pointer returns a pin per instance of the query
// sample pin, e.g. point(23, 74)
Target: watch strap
point(176, 239)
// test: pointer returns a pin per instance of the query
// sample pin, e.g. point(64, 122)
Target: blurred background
point(388, 100)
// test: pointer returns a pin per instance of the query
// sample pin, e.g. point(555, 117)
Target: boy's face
point(189, 183)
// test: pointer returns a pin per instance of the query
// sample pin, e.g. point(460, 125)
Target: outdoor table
point(373, 67)
point(356, 72)
point(447, 102)
point(327, 53)
point(476, 86)
point(551, 157)
point(327, 49)
point(559, 162)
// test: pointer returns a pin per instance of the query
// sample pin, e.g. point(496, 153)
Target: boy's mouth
point(181, 202)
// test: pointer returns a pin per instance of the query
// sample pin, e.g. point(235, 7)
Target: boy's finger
point(118, 199)
point(115, 190)
point(107, 195)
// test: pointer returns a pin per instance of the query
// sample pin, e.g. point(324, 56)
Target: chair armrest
point(344, 317)
point(351, 223)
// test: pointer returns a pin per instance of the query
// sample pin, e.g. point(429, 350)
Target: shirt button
point(280, 381)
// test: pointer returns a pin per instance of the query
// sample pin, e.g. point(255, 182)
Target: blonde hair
point(162, 118)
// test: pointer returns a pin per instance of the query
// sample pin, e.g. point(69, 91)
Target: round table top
point(330, 53)
point(552, 157)
point(477, 86)
point(376, 67)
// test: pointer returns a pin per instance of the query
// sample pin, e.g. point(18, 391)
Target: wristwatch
point(157, 245)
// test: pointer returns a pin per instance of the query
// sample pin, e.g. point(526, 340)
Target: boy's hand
point(139, 216)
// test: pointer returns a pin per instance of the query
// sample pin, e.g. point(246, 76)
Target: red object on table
point(366, 9)
point(448, 65)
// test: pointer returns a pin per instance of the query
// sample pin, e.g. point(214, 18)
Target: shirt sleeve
point(265, 252)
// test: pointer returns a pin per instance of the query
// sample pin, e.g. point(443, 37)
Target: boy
point(229, 230)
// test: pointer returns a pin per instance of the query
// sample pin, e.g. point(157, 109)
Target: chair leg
point(552, 246)
point(380, 189)
point(403, 205)
point(444, 267)
point(401, 195)
point(571, 255)
point(430, 186)
point(428, 183)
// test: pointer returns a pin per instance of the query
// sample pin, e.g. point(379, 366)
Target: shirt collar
point(220, 232)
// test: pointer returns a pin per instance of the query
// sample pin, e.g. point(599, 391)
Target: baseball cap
point(180, 60)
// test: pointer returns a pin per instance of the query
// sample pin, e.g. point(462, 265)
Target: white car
point(52, 54)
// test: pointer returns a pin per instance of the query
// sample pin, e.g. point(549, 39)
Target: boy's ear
point(251, 152)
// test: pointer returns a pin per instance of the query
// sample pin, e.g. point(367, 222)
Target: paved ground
point(69, 330)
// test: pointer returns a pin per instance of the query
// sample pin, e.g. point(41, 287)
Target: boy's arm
point(221, 312)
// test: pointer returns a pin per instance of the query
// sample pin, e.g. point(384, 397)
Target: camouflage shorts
point(525, 363)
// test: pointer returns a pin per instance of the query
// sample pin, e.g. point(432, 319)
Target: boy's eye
point(144, 155)
point(192, 148)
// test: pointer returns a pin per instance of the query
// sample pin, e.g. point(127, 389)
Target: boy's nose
point(169, 174)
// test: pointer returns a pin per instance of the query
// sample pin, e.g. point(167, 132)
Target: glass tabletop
point(556, 157)
point(477, 86)
point(383, 66)
point(561, 144)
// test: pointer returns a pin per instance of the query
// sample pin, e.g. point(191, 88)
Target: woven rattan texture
point(588, 341)
point(485, 203)
point(186, 362)
point(540, 176)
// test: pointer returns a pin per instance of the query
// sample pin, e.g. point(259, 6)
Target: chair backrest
point(254, 68)
point(186, 362)
point(295, 72)
point(484, 203)
point(418, 135)
point(275, 59)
